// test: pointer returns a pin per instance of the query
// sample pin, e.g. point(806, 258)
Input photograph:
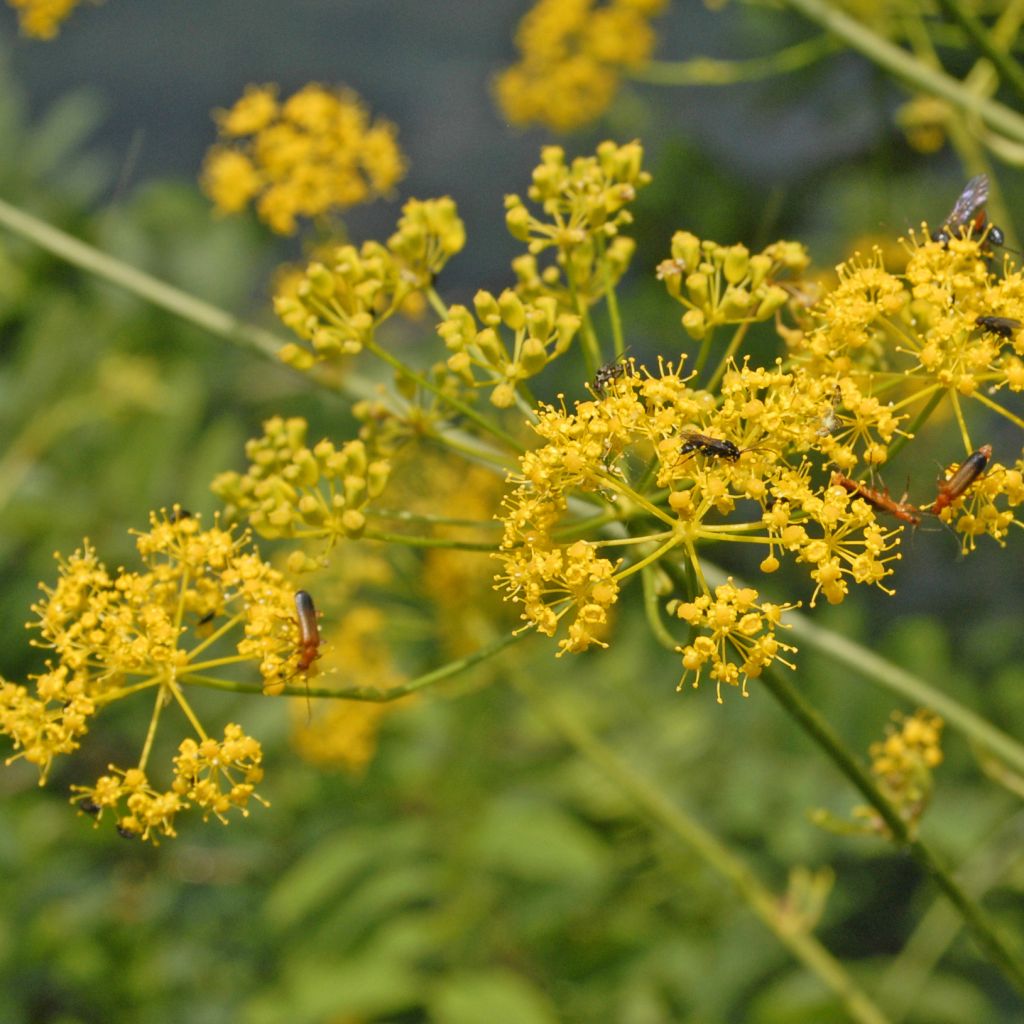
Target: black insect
point(88, 806)
point(611, 371)
point(712, 447)
point(127, 833)
point(1004, 326)
point(968, 214)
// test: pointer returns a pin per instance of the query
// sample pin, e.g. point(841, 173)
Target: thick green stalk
point(977, 921)
point(208, 317)
point(709, 71)
point(1009, 69)
point(906, 66)
point(656, 805)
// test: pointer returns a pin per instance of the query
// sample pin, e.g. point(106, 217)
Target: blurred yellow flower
point(41, 19)
point(573, 52)
point(313, 153)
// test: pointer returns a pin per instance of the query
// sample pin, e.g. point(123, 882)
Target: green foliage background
point(480, 872)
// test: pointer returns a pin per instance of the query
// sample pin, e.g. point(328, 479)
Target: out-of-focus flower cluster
point(313, 153)
point(343, 733)
point(903, 765)
point(337, 303)
point(572, 56)
point(42, 19)
point(205, 601)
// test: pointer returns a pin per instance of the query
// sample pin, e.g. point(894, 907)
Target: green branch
point(1009, 69)
point(979, 924)
point(907, 67)
point(708, 71)
point(657, 806)
point(370, 694)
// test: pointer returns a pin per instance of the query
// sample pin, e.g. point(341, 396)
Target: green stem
point(653, 611)
point(436, 303)
point(1010, 71)
point(657, 806)
point(919, 421)
point(614, 317)
point(907, 974)
point(364, 693)
point(413, 541)
point(977, 921)
point(456, 403)
point(708, 71)
point(139, 283)
point(904, 65)
point(730, 351)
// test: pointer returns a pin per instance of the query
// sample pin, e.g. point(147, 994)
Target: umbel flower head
point(311, 154)
point(293, 490)
point(573, 53)
point(336, 304)
point(204, 601)
point(744, 467)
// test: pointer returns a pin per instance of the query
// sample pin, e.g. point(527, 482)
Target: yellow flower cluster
point(216, 777)
point(540, 334)
point(584, 206)
point(742, 467)
point(903, 765)
point(978, 512)
point(308, 155)
point(338, 302)
point(737, 636)
point(41, 19)
point(292, 490)
point(573, 53)
point(162, 630)
point(929, 325)
point(724, 284)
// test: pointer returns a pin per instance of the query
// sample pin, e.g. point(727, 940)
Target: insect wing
point(972, 199)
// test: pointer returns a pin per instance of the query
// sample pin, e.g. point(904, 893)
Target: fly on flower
point(610, 371)
point(968, 214)
point(1002, 326)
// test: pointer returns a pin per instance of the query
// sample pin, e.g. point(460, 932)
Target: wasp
point(713, 447)
point(881, 500)
point(966, 473)
point(611, 371)
point(1003, 326)
point(309, 630)
point(968, 214)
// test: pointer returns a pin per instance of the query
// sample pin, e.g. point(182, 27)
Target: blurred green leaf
point(495, 996)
